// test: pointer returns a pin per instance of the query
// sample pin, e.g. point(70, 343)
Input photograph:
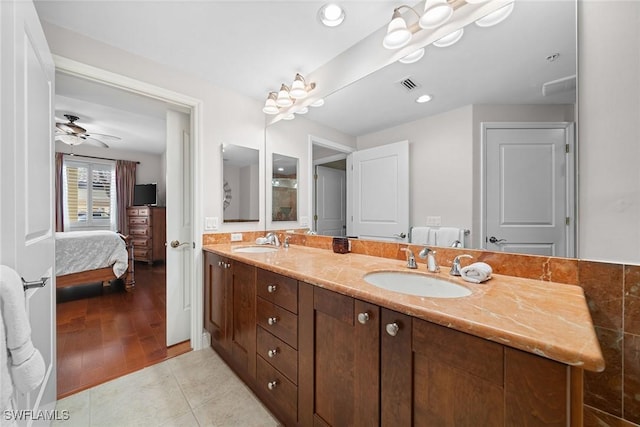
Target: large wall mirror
point(521, 70)
point(241, 180)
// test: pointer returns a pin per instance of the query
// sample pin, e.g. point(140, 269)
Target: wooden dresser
point(147, 228)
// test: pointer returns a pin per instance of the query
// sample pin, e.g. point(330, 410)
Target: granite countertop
point(549, 319)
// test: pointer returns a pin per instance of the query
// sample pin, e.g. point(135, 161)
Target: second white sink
point(416, 284)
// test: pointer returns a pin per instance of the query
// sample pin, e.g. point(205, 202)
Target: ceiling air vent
point(409, 84)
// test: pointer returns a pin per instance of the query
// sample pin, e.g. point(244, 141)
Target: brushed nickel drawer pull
point(272, 384)
point(272, 353)
point(272, 320)
point(271, 288)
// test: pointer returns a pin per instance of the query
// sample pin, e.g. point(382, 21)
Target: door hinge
point(566, 148)
point(315, 176)
point(567, 221)
point(315, 217)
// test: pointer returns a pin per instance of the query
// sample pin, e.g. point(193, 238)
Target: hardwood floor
point(104, 333)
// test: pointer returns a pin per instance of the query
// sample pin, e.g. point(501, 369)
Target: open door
point(331, 198)
point(380, 193)
point(27, 243)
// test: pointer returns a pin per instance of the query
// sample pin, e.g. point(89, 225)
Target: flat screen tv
point(144, 194)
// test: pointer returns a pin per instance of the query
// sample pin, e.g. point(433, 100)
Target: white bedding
point(88, 250)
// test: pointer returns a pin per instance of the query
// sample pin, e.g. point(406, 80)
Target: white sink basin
point(255, 249)
point(416, 284)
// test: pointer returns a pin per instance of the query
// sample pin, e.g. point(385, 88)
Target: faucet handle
point(411, 259)
point(455, 266)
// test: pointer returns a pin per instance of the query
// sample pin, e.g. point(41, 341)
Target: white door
point(331, 199)
point(179, 228)
point(380, 188)
point(26, 190)
point(528, 184)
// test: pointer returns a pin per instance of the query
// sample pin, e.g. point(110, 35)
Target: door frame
point(341, 148)
point(570, 183)
point(194, 105)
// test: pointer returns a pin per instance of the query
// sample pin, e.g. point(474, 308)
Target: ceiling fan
point(72, 134)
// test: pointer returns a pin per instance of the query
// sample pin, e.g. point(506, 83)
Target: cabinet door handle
point(363, 317)
point(392, 329)
point(272, 353)
point(271, 288)
point(272, 320)
point(272, 384)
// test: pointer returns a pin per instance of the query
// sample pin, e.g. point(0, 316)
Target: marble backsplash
point(611, 397)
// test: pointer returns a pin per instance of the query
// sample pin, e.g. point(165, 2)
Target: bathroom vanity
point(320, 346)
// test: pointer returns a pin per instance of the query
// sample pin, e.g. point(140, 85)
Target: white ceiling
point(252, 47)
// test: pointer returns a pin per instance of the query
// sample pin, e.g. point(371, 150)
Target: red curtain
point(125, 184)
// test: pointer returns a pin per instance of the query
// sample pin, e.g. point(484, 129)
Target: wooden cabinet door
point(243, 318)
point(217, 293)
point(339, 359)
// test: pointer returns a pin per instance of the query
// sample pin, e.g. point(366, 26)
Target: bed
point(93, 256)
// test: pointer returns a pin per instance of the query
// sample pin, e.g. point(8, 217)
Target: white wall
point(609, 131)
point(227, 117)
point(291, 138)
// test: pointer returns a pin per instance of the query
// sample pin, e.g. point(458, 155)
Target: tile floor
point(194, 389)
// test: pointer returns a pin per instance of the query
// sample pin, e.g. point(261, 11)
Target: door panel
point(27, 158)
point(527, 189)
point(380, 187)
point(331, 199)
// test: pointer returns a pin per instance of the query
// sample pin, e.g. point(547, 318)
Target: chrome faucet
point(272, 239)
point(411, 259)
point(286, 242)
point(455, 267)
point(429, 254)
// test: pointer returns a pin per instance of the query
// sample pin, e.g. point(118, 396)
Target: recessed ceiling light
point(423, 98)
point(281, 169)
point(331, 15)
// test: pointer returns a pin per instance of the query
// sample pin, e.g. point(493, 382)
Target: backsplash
point(612, 397)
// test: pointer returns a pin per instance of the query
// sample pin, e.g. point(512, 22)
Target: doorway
point(187, 168)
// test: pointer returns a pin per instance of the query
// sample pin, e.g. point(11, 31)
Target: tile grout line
point(182, 391)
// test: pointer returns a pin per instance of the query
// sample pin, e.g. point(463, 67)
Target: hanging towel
point(21, 364)
point(477, 272)
point(447, 235)
point(420, 235)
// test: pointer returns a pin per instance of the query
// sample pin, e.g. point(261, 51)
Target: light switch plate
point(211, 223)
point(236, 237)
point(434, 221)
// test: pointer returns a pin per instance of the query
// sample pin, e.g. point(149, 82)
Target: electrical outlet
point(211, 223)
point(434, 221)
point(236, 237)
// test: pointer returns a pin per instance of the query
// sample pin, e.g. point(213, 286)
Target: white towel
point(420, 235)
point(445, 236)
point(477, 272)
point(22, 363)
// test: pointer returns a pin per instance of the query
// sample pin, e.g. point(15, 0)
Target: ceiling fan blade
point(103, 136)
point(93, 141)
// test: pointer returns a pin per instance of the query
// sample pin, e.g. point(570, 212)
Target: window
point(90, 195)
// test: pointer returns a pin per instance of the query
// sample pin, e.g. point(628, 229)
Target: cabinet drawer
point(141, 254)
point(278, 289)
point(278, 354)
point(138, 220)
point(278, 321)
point(141, 243)
point(140, 231)
point(277, 388)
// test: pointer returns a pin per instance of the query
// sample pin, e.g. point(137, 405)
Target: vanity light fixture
point(414, 56)
point(436, 13)
point(449, 39)
point(303, 110)
point(398, 35)
point(423, 98)
point(318, 103)
point(331, 15)
point(289, 116)
point(287, 96)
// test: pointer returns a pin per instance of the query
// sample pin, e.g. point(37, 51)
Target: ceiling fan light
point(70, 139)
point(270, 106)
point(436, 13)
point(331, 15)
point(414, 56)
point(496, 17)
point(298, 88)
point(449, 39)
point(283, 99)
point(397, 33)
